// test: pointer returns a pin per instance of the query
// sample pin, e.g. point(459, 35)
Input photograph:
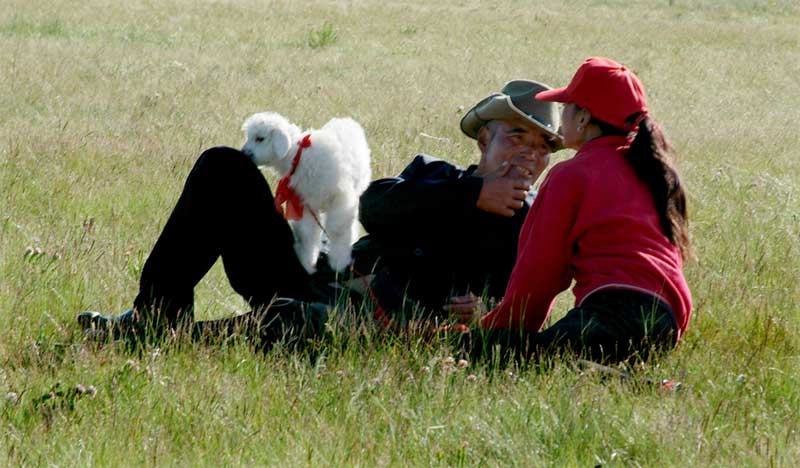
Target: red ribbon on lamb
point(286, 194)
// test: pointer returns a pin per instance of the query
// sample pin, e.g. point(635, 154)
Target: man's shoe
point(101, 326)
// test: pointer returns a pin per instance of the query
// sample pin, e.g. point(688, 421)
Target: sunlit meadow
point(104, 106)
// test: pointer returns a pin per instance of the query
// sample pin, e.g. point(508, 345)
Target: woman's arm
point(542, 269)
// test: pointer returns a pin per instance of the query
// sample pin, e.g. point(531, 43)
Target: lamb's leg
point(307, 241)
point(342, 231)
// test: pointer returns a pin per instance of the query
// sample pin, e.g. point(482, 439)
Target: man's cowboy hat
point(516, 99)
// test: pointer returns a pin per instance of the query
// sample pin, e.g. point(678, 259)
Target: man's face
point(500, 140)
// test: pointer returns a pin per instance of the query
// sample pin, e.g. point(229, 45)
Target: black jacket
point(427, 240)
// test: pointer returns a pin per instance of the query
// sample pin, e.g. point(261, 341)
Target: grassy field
point(104, 106)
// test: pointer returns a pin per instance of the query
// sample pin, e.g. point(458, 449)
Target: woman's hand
point(465, 309)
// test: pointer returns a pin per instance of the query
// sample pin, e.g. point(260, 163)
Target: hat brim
point(499, 107)
point(553, 95)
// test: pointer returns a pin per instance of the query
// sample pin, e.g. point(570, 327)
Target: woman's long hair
point(652, 158)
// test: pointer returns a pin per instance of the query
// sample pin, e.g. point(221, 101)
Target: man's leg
point(283, 318)
point(226, 209)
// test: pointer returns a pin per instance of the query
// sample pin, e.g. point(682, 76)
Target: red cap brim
point(554, 95)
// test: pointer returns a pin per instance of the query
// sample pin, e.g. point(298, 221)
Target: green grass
point(322, 37)
point(105, 106)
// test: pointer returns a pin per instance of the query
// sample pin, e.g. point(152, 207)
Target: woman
point(613, 219)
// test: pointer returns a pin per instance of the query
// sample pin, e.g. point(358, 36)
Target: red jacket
point(595, 222)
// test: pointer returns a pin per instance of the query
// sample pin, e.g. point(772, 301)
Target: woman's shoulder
point(596, 159)
point(571, 171)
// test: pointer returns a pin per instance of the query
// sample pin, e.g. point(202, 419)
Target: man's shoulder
point(424, 158)
point(427, 165)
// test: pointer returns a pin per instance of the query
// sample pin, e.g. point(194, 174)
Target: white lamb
point(330, 176)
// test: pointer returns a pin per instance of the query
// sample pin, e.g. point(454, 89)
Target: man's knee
point(224, 159)
point(220, 161)
point(222, 167)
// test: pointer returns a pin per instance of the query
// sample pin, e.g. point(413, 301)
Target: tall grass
point(105, 105)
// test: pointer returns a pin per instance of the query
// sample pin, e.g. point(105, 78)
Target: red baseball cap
point(610, 91)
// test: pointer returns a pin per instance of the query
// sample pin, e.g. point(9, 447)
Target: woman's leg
point(610, 326)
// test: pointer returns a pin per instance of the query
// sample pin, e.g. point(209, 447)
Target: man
point(434, 230)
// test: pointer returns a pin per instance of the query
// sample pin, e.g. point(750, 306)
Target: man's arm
point(427, 191)
point(433, 191)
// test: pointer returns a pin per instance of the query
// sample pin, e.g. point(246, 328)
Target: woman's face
point(572, 125)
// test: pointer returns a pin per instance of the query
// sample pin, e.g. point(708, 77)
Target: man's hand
point(505, 189)
point(465, 309)
point(502, 193)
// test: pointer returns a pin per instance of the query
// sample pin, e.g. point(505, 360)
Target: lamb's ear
point(280, 142)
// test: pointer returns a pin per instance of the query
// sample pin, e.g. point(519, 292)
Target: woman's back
point(616, 236)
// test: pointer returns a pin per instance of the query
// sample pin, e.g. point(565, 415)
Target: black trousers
point(226, 210)
point(610, 326)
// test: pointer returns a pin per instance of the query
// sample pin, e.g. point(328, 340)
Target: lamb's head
point(268, 137)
